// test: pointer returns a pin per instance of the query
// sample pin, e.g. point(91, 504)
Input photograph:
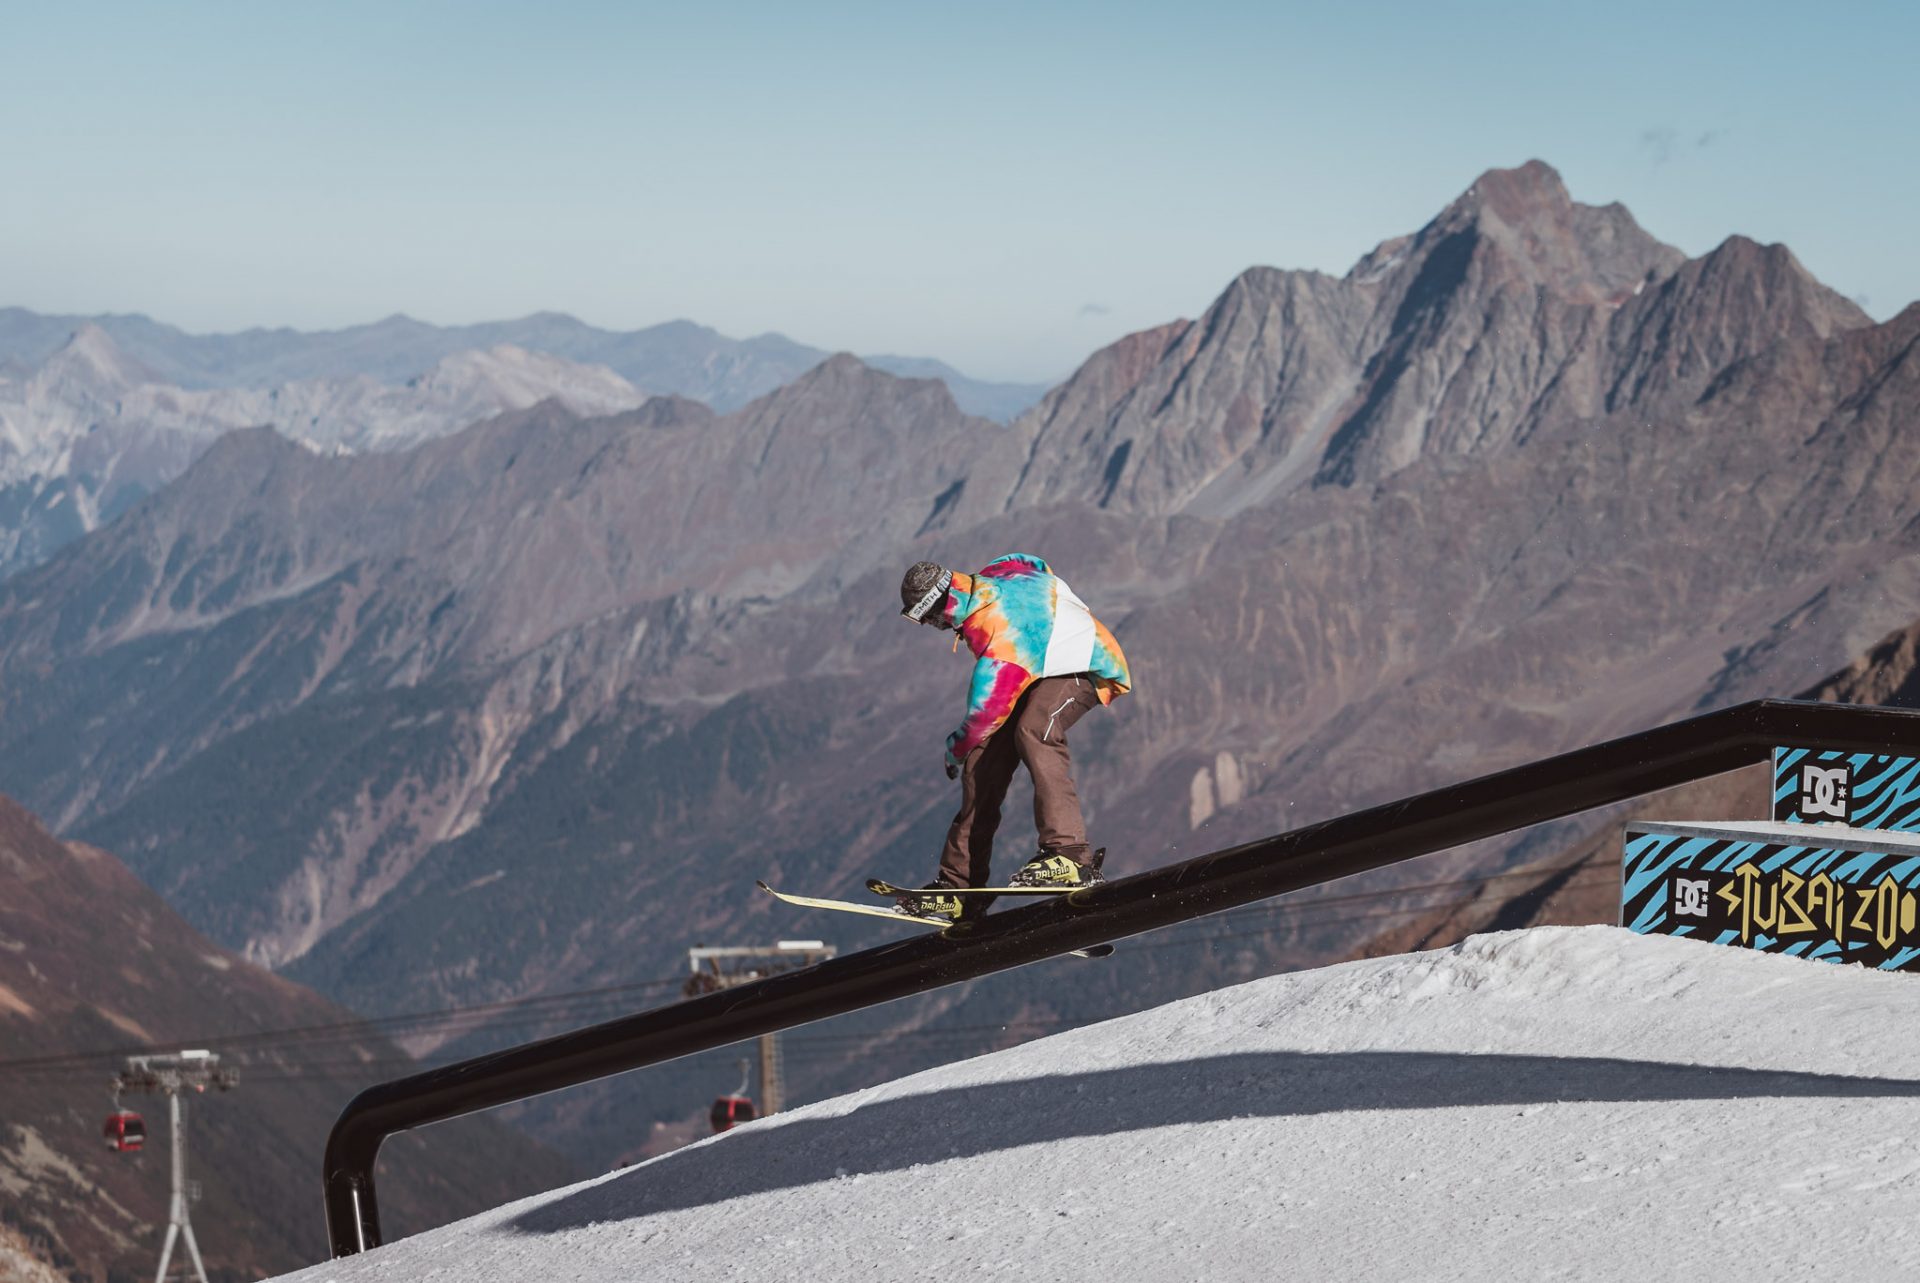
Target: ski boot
point(930, 908)
point(1048, 869)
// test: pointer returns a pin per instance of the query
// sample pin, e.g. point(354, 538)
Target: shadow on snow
point(896, 1134)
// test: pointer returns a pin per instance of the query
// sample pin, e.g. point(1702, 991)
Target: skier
point(1042, 661)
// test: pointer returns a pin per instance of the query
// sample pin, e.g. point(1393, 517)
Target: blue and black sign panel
point(1861, 790)
point(1842, 899)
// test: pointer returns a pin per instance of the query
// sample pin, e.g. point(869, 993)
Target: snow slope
point(1554, 1103)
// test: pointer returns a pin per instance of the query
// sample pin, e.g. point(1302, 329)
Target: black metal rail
point(1486, 807)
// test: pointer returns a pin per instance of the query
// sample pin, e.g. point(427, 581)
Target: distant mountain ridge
point(456, 723)
point(97, 412)
point(1514, 305)
point(677, 357)
point(92, 429)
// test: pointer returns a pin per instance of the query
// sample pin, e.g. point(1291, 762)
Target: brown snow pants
point(1036, 734)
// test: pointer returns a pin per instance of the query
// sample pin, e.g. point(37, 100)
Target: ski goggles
point(919, 611)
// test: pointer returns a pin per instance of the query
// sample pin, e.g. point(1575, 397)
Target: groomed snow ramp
point(1358, 842)
point(1555, 1103)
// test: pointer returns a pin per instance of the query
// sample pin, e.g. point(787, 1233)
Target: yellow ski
point(878, 887)
point(875, 911)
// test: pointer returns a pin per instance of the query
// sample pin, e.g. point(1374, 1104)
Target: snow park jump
point(1545, 790)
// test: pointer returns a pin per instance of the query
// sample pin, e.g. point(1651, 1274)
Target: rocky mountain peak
point(841, 365)
point(670, 412)
point(1292, 376)
point(506, 374)
point(1442, 342)
point(845, 380)
point(1530, 193)
point(1527, 229)
point(91, 357)
point(1774, 277)
point(1732, 303)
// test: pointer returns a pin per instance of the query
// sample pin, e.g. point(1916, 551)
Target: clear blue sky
point(1005, 186)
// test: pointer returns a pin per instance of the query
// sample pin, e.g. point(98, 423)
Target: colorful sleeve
point(997, 687)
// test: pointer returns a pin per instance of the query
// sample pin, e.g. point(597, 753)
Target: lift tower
point(722, 968)
point(173, 1076)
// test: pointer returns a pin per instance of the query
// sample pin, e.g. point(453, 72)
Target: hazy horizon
point(1005, 189)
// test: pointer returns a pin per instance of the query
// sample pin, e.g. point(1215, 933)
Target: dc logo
point(1689, 898)
point(1823, 791)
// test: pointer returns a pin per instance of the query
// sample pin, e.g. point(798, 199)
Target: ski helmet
point(923, 588)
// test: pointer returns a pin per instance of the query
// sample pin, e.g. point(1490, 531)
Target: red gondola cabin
point(124, 1132)
point(731, 1110)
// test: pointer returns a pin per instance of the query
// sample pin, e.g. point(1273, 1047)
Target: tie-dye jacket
point(1024, 623)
